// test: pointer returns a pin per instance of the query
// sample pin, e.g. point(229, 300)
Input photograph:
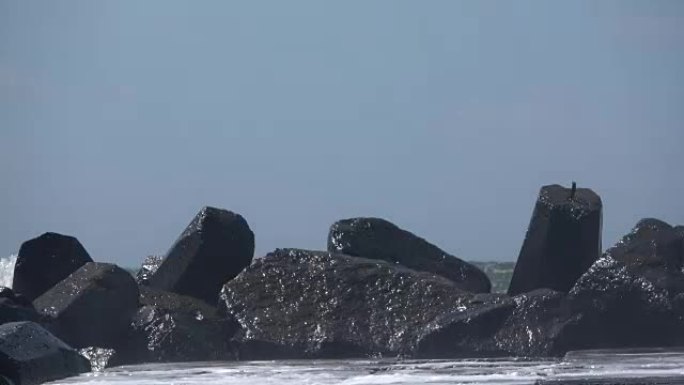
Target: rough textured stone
point(653, 250)
point(149, 267)
point(15, 307)
point(377, 238)
point(44, 261)
point(213, 249)
point(537, 326)
point(679, 230)
point(31, 355)
point(562, 241)
point(174, 328)
point(297, 303)
point(92, 306)
point(467, 330)
point(608, 307)
point(620, 309)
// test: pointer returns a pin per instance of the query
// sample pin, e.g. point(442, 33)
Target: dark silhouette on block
point(562, 241)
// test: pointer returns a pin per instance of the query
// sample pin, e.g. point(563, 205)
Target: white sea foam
point(7, 270)
point(357, 372)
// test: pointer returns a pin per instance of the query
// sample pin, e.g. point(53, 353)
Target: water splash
point(7, 270)
point(662, 367)
point(98, 357)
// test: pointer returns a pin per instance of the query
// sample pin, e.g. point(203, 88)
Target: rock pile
point(377, 291)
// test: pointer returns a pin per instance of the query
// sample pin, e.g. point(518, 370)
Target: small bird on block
point(573, 190)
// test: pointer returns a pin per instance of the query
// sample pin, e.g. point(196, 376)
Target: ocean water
point(578, 366)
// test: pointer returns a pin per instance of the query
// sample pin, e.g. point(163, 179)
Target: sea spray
point(7, 270)
point(98, 357)
point(610, 367)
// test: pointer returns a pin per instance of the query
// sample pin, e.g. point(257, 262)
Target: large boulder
point(467, 330)
point(297, 303)
point(213, 249)
point(528, 325)
point(92, 306)
point(537, 326)
point(174, 328)
point(562, 241)
point(377, 238)
point(15, 307)
point(44, 261)
point(621, 308)
point(31, 355)
point(653, 250)
point(609, 307)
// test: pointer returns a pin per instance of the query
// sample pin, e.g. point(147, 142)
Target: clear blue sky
point(120, 119)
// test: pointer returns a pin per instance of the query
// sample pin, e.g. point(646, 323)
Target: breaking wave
point(7, 270)
point(580, 367)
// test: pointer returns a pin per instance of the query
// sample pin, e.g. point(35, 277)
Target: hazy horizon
point(120, 120)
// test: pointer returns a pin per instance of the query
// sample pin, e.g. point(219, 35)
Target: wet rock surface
point(174, 328)
point(467, 330)
point(655, 251)
point(149, 267)
point(92, 306)
point(299, 303)
point(377, 238)
point(397, 296)
point(31, 355)
point(537, 325)
point(621, 309)
point(296, 303)
point(608, 307)
point(15, 307)
point(46, 260)
point(215, 247)
point(528, 325)
point(562, 241)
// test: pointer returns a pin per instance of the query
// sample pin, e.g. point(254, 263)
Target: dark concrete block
point(562, 241)
point(92, 306)
point(44, 261)
point(31, 355)
point(213, 249)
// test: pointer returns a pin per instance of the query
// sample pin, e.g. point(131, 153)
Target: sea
point(646, 366)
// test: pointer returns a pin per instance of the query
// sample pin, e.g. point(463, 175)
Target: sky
point(119, 120)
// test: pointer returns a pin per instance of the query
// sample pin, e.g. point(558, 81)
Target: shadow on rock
point(92, 306)
point(174, 328)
